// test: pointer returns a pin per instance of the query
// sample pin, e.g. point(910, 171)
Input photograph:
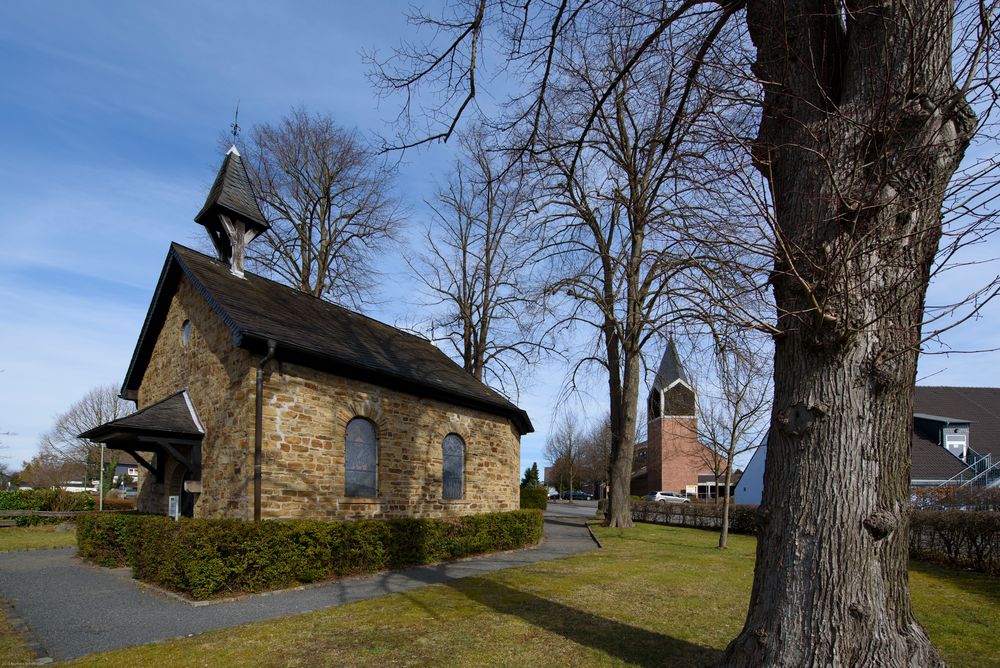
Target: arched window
point(361, 459)
point(186, 332)
point(453, 467)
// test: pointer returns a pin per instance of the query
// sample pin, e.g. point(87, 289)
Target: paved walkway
point(73, 608)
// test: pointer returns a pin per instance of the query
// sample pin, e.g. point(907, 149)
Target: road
point(584, 509)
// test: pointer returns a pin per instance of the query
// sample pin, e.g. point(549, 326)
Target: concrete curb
point(30, 640)
point(594, 536)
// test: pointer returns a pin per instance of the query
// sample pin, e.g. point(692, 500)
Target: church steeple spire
point(231, 214)
point(672, 394)
point(671, 369)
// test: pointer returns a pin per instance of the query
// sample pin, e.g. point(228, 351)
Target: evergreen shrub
point(205, 558)
point(44, 499)
point(534, 496)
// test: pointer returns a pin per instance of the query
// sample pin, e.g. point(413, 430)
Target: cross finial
point(235, 125)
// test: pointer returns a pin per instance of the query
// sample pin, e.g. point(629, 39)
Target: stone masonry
point(305, 415)
point(305, 419)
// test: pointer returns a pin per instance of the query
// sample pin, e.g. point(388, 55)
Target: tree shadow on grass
point(628, 643)
point(979, 584)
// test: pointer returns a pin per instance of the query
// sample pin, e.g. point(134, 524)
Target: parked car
point(578, 496)
point(553, 495)
point(667, 497)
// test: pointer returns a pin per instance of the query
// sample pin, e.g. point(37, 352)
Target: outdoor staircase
point(981, 472)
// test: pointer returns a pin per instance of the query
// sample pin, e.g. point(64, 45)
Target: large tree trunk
point(726, 501)
point(861, 131)
point(624, 409)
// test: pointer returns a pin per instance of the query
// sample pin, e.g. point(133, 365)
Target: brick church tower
point(674, 457)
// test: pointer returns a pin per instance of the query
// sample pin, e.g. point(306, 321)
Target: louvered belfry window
point(361, 459)
point(453, 467)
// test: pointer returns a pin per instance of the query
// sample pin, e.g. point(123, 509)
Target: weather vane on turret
point(235, 125)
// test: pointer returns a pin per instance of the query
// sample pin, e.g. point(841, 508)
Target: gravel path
point(73, 608)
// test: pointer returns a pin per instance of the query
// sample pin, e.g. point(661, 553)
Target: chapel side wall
point(305, 418)
point(220, 382)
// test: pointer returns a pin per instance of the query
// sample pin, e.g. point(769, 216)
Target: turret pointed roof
point(232, 194)
point(671, 370)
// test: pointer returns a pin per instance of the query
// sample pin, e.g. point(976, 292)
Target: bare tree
point(628, 229)
point(477, 269)
point(63, 445)
point(48, 469)
point(595, 455)
point(562, 451)
point(732, 420)
point(328, 199)
point(867, 112)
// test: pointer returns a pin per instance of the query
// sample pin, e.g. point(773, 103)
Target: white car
point(667, 497)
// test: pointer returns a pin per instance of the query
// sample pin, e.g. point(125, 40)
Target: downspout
point(258, 437)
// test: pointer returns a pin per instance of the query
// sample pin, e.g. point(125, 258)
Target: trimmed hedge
point(44, 499)
point(206, 558)
point(742, 519)
point(959, 538)
point(534, 496)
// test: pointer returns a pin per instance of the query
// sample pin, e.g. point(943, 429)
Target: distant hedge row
point(206, 558)
point(960, 538)
point(742, 519)
point(534, 496)
point(44, 499)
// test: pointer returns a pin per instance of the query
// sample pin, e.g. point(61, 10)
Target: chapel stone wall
point(220, 383)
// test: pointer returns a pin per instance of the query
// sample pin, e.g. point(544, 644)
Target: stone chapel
point(257, 401)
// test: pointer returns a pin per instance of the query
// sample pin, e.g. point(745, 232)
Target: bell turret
point(231, 214)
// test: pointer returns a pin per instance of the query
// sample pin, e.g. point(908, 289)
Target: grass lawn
point(655, 596)
point(13, 651)
point(30, 538)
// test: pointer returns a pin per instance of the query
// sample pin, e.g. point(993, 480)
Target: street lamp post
point(100, 489)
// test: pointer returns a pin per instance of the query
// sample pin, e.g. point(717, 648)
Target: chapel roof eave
point(323, 335)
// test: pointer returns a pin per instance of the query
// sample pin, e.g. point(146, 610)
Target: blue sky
point(109, 118)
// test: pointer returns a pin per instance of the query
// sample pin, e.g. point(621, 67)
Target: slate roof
point(979, 407)
point(314, 333)
point(670, 369)
point(929, 461)
point(232, 193)
point(174, 416)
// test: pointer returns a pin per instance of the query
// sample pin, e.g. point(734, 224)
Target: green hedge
point(44, 499)
point(206, 558)
point(742, 519)
point(534, 497)
point(960, 538)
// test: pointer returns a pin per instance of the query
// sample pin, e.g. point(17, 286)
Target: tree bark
point(726, 501)
point(861, 131)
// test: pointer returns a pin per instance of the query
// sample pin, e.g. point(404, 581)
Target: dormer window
point(956, 444)
point(186, 332)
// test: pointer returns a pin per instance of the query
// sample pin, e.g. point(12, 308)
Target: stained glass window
point(361, 459)
point(453, 467)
